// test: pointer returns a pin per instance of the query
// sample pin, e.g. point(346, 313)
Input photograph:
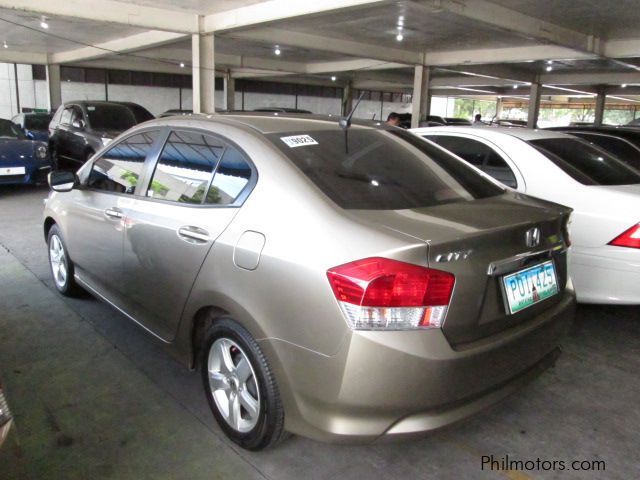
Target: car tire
point(60, 264)
point(240, 387)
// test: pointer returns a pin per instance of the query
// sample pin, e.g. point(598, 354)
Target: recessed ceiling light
point(624, 85)
point(43, 23)
point(399, 37)
point(549, 68)
point(5, 44)
point(277, 50)
point(549, 62)
point(181, 64)
point(333, 78)
point(515, 87)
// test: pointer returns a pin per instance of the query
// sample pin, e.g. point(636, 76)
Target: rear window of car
point(37, 122)
point(624, 150)
point(586, 163)
point(9, 129)
point(110, 117)
point(374, 169)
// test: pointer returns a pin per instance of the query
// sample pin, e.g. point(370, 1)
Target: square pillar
point(601, 100)
point(534, 104)
point(54, 89)
point(204, 79)
point(421, 99)
point(229, 92)
point(347, 99)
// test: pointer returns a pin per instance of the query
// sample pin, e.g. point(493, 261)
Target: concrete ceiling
point(473, 44)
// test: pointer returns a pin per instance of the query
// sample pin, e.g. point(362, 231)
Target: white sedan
point(604, 260)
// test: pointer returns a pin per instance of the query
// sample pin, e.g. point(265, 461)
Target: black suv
point(78, 129)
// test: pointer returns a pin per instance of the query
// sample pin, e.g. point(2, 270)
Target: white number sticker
point(298, 141)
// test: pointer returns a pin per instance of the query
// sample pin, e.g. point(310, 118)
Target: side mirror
point(62, 180)
point(29, 135)
point(79, 124)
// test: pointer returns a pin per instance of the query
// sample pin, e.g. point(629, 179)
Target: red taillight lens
point(629, 238)
point(391, 294)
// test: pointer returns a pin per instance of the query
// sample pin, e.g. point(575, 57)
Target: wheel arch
point(48, 223)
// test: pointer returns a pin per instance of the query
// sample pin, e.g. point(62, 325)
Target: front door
point(190, 199)
point(95, 233)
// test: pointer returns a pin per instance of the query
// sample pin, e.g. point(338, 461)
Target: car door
point(192, 194)
point(62, 134)
point(76, 141)
point(98, 210)
point(484, 156)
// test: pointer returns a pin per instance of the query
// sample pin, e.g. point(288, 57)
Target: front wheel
point(240, 387)
point(60, 263)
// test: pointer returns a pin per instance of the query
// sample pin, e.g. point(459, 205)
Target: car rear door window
point(119, 168)
point(185, 170)
point(65, 119)
point(479, 155)
point(374, 169)
point(586, 163)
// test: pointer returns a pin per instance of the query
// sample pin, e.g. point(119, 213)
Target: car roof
point(266, 123)
point(525, 134)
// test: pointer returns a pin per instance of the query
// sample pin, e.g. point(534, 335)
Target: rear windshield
point(623, 149)
point(37, 122)
point(9, 129)
point(110, 117)
point(382, 169)
point(586, 163)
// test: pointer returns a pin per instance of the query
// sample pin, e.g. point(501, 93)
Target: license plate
point(530, 286)
point(12, 171)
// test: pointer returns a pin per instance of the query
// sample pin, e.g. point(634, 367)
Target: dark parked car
point(35, 125)
point(141, 113)
point(623, 142)
point(171, 113)
point(78, 129)
point(22, 160)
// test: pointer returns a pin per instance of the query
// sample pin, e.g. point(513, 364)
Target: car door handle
point(193, 234)
point(113, 213)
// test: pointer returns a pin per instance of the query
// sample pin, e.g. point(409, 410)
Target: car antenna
point(345, 122)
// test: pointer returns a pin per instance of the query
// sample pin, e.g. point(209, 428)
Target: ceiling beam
point(361, 64)
point(29, 58)
point(503, 55)
point(514, 22)
point(274, 10)
point(590, 78)
point(152, 38)
point(110, 11)
point(276, 36)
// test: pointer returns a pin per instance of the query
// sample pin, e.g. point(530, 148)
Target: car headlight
point(41, 152)
point(106, 141)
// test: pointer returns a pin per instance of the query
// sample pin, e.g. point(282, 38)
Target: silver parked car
point(337, 282)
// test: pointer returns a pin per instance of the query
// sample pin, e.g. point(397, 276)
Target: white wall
point(82, 91)
point(33, 94)
point(321, 105)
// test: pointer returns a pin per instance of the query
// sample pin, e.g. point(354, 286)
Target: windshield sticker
point(298, 141)
point(91, 108)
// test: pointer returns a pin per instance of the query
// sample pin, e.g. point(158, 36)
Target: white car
point(604, 260)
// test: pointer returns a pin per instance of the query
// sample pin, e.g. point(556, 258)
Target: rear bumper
point(403, 383)
point(607, 274)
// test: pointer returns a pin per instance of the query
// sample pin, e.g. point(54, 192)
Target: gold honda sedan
point(341, 282)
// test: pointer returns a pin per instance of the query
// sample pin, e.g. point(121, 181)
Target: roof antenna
point(345, 122)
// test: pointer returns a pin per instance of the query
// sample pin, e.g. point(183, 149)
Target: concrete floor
point(95, 397)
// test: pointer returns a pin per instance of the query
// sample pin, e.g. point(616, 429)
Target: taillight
point(379, 293)
point(629, 238)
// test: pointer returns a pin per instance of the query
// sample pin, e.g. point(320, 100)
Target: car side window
point(185, 170)
point(65, 119)
point(478, 154)
point(119, 168)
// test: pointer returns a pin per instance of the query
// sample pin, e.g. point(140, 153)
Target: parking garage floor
point(95, 397)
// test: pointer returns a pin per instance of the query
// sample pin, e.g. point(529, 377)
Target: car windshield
point(141, 113)
point(362, 168)
point(586, 163)
point(37, 122)
point(9, 129)
point(110, 117)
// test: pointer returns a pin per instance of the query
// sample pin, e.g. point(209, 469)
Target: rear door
point(193, 192)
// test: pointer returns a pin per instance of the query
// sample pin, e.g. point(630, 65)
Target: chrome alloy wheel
point(233, 385)
point(58, 261)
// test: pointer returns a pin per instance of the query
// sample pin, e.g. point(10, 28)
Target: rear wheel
point(240, 387)
point(60, 263)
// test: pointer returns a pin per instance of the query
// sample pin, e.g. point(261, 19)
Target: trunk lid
point(480, 242)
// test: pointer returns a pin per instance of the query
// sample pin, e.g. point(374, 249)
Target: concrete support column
point(421, 100)
point(53, 86)
point(204, 78)
point(601, 99)
point(347, 99)
point(229, 92)
point(534, 104)
point(498, 108)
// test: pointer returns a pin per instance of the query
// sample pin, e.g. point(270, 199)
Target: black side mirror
point(62, 180)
